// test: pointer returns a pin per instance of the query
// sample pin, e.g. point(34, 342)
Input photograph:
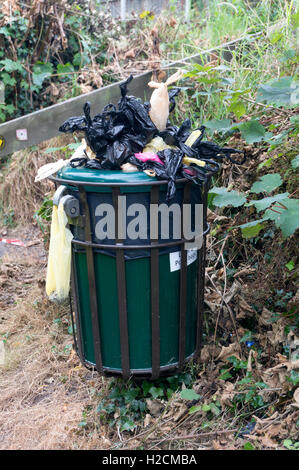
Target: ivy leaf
point(267, 183)
point(65, 68)
point(290, 445)
point(41, 71)
point(11, 65)
point(9, 108)
point(128, 425)
point(215, 409)
point(7, 79)
point(252, 131)
point(287, 219)
point(4, 30)
point(224, 374)
point(156, 392)
point(81, 59)
point(189, 394)
point(266, 202)
point(194, 409)
point(295, 162)
point(252, 229)
point(225, 198)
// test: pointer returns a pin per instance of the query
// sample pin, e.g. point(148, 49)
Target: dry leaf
point(252, 354)
point(265, 421)
point(267, 442)
point(147, 420)
point(281, 358)
point(277, 376)
point(154, 406)
point(265, 317)
point(216, 445)
point(105, 443)
point(222, 445)
point(244, 309)
point(208, 351)
point(85, 88)
point(276, 430)
point(227, 395)
point(296, 398)
point(54, 90)
point(227, 351)
point(277, 335)
point(180, 412)
point(130, 53)
point(212, 217)
point(232, 292)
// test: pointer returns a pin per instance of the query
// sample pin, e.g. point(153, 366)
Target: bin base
point(140, 374)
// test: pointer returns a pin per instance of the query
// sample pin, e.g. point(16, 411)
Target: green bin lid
point(104, 176)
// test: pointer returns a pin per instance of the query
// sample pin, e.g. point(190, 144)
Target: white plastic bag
point(50, 168)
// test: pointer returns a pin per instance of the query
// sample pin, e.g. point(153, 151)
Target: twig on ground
point(267, 106)
point(198, 436)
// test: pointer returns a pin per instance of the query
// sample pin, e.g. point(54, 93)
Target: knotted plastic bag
point(59, 260)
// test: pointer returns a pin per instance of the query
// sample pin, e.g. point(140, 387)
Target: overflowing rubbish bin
point(138, 304)
point(137, 280)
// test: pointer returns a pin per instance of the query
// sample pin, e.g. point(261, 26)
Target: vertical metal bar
point(122, 292)
point(91, 283)
point(155, 298)
point(201, 275)
point(183, 285)
point(77, 333)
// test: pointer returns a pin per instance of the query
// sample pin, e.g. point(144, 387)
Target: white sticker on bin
point(175, 259)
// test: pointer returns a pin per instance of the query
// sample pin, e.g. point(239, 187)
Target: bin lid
point(88, 175)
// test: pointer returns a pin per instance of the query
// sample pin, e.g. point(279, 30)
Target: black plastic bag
point(117, 133)
point(167, 170)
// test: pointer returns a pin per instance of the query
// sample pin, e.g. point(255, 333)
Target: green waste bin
point(133, 313)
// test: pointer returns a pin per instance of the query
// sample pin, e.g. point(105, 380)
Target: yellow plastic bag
point(156, 145)
point(59, 259)
point(190, 141)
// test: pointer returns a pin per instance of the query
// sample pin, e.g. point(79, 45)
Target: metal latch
point(71, 206)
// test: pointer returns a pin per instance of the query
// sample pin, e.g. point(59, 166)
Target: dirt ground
point(37, 410)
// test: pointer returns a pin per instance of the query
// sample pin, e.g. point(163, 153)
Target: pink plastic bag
point(144, 157)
